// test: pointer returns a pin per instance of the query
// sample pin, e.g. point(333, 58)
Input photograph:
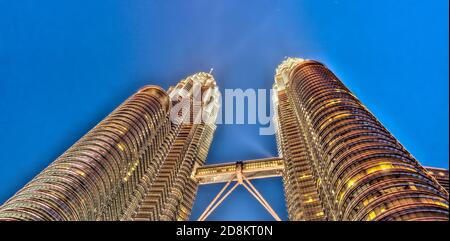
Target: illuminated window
point(381, 167)
point(372, 216)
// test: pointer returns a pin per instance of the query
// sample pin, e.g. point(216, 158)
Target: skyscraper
point(441, 176)
point(134, 165)
point(146, 159)
point(340, 162)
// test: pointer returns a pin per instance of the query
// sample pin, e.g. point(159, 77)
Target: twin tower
point(146, 159)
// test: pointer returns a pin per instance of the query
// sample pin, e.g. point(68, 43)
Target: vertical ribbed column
point(362, 168)
point(302, 196)
point(98, 176)
point(171, 195)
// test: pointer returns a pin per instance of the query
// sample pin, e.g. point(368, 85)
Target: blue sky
point(64, 65)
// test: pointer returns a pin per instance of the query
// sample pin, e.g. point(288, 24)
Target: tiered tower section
point(134, 165)
point(195, 102)
point(340, 162)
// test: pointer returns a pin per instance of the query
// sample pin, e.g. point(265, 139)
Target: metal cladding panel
point(359, 169)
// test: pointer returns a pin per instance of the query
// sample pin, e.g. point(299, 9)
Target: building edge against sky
point(340, 163)
point(134, 165)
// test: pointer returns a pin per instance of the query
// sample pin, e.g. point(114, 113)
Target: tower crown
point(283, 70)
point(287, 65)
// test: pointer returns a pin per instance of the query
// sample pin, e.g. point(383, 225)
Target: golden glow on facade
point(134, 165)
point(337, 161)
point(339, 154)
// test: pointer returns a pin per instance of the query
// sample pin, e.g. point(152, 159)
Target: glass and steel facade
point(340, 162)
point(134, 165)
point(146, 159)
point(440, 174)
point(173, 191)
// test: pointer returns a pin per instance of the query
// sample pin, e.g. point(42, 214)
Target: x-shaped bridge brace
point(240, 173)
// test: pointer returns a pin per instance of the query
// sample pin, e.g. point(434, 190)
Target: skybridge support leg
point(260, 198)
point(214, 203)
point(241, 180)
